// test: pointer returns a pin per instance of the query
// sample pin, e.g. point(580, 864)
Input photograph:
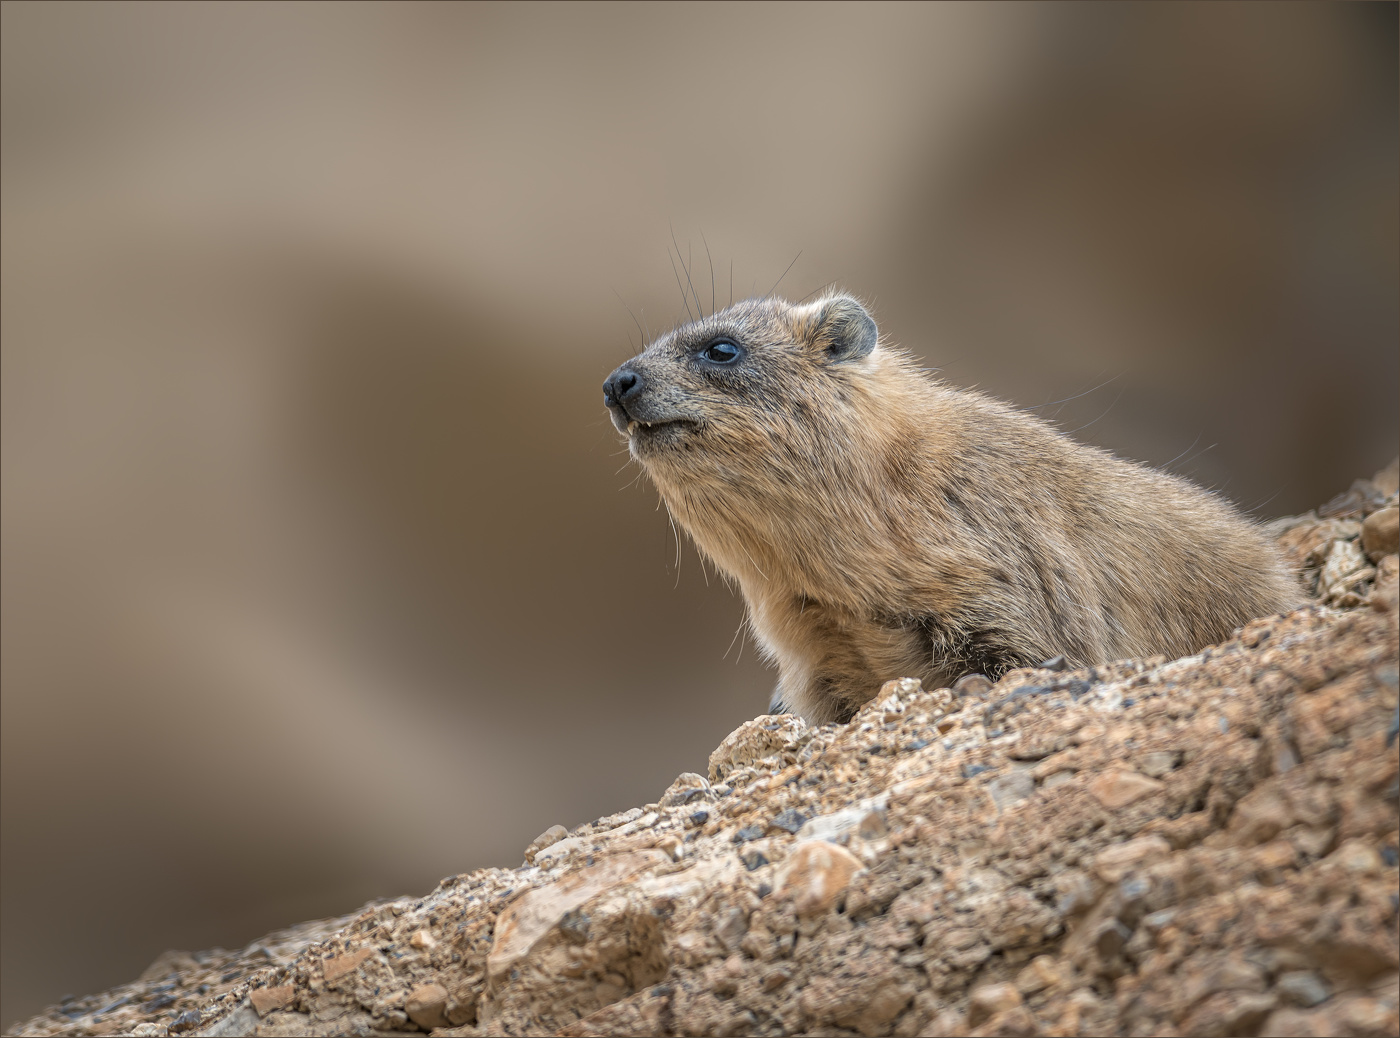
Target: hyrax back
point(882, 524)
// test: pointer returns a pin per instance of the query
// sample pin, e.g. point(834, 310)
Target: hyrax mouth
point(638, 428)
point(652, 439)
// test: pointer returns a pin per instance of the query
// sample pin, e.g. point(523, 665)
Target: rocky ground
point(1201, 846)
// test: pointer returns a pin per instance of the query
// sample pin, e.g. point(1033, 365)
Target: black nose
point(622, 384)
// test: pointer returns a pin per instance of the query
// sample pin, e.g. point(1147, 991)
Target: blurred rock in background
point(314, 526)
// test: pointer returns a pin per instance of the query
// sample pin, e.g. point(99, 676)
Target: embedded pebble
point(1118, 788)
point(1380, 533)
point(989, 1000)
point(548, 838)
point(815, 873)
point(1008, 790)
point(1041, 973)
point(1303, 988)
point(427, 1006)
point(265, 1000)
point(1113, 863)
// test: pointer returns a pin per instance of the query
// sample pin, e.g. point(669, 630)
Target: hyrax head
point(760, 380)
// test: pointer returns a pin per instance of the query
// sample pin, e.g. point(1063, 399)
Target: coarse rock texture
point(1197, 846)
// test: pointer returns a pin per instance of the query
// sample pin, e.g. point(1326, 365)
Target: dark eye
point(721, 351)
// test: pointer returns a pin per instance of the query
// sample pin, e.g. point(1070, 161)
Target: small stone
point(687, 787)
point(1259, 817)
point(872, 825)
point(190, 1018)
point(1303, 988)
point(1385, 595)
point(972, 685)
point(1343, 559)
point(1110, 937)
point(1159, 920)
point(1357, 857)
point(790, 820)
point(427, 1006)
point(1310, 842)
point(753, 858)
point(776, 978)
point(422, 940)
point(550, 836)
point(1380, 533)
point(1057, 778)
point(1159, 762)
point(838, 825)
point(561, 849)
point(1117, 788)
point(1042, 972)
point(880, 1011)
point(1077, 892)
point(1011, 789)
point(342, 964)
point(899, 688)
point(147, 1029)
point(1113, 863)
point(989, 1000)
point(266, 1000)
point(815, 873)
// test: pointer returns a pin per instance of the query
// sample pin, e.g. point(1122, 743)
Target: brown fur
point(883, 524)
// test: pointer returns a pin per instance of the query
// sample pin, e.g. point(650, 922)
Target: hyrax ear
point(841, 328)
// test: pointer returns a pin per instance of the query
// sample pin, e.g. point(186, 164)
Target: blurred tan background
point(324, 575)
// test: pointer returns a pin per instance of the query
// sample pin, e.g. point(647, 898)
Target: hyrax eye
point(721, 351)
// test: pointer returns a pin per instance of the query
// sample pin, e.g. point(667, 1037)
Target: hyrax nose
point(622, 385)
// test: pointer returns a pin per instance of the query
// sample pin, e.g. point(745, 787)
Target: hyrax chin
point(882, 524)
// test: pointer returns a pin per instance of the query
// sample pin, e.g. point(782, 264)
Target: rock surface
point(1197, 846)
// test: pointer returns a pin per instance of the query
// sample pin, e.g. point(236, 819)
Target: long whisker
point(814, 291)
point(687, 276)
point(737, 631)
point(689, 266)
point(1095, 389)
point(680, 286)
point(1183, 454)
point(712, 272)
point(1105, 411)
point(1194, 456)
point(640, 330)
point(1266, 500)
point(784, 274)
point(676, 534)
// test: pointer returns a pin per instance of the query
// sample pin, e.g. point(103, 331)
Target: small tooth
point(631, 427)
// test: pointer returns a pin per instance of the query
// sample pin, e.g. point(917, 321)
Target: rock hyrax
point(883, 524)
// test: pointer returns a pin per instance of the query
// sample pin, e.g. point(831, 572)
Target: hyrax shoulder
point(882, 524)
